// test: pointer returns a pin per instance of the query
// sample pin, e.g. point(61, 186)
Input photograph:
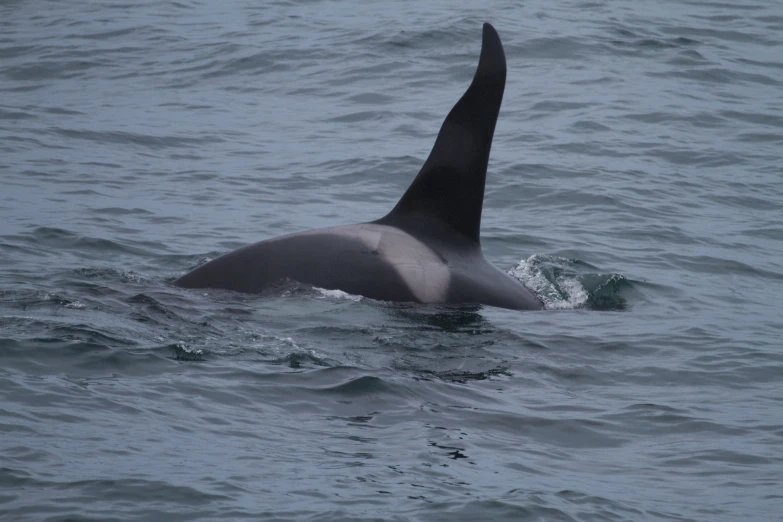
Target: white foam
point(184, 347)
point(575, 294)
point(286, 341)
point(565, 293)
point(338, 294)
point(285, 346)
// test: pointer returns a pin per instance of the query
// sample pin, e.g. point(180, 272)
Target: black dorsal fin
point(449, 188)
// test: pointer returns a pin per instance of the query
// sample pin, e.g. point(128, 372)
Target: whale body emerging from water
point(427, 249)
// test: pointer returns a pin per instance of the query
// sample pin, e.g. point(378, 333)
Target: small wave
point(29, 298)
point(300, 360)
point(185, 352)
point(563, 284)
point(286, 351)
point(52, 239)
point(130, 138)
point(63, 301)
point(113, 274)
point(559, 292)
point(462, 376)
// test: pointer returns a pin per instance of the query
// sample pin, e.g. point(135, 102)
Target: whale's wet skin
point(426, 249)
point(634, 185)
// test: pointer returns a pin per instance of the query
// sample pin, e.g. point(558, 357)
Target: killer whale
point(427, 249)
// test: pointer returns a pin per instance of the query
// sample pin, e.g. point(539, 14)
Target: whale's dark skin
point(427, 249)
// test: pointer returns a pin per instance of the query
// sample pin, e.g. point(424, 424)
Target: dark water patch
point(703, 119)
point(710, 33)
point(15, 115)
point(655, 43)
point(576, 376)
point(117, 211)
point(685, 157)
point(453, 453)
point(127, 138)
point(360, 386)
point(757, 137)
point(35, 143)
point(732, 458)
point(689, 58)
point(103, 35)
point(713, 265)
point(559, 432)
point(80, 354)
point(65, 111)
point(12, 249)
point(255, 64)
point(413, 38)
point(765, 64)
point(462, 376)
point(15, 51)
point(94, 337)
point(771, 120)
point(648, 419)
point(58, 239)
point(599, 80)
point(51, 70)
point(302, 360)
point(720, 76)
point(589, 126)
point(456, 318)
point(30, 87)
point(604, 507)
point(747, 202)
point(101, 164)
point(773, 233)
point(360, 116)
point(554, 48)
point(550, 107)
point(498, 510)
point(371, 98)
point(130, 491)
point(147, 308)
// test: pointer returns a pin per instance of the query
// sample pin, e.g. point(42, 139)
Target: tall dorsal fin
point(449, 188)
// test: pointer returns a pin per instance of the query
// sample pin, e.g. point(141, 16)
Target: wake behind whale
point(427, 249)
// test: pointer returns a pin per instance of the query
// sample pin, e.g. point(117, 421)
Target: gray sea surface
point(635, 183)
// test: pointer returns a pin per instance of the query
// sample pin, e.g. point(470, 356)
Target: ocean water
point(635, 183)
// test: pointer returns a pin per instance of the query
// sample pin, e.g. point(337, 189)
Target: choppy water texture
point(635, 183)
